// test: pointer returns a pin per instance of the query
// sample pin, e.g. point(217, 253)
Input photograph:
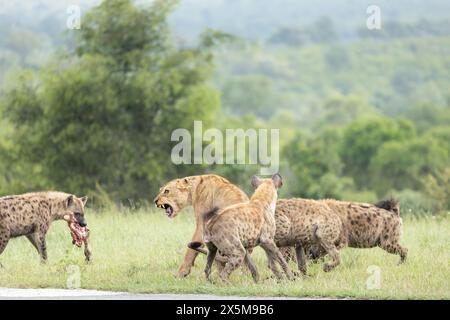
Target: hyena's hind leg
point(37, 239)
point(391, 243)
point(288, 253)
point(328, 243)
point(236, 256)
point(301, 258)
point(212, 251)
point(251, 266)
point(334, 255)
point(4, 239)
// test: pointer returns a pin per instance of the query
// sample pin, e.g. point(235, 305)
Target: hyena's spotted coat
point(369, 226)
point(241, 227)
point(303, 224)
point(31, 214)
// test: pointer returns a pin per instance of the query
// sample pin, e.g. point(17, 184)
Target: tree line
point(99, 115)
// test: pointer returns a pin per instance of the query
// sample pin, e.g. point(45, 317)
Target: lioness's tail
point(196, 245)
point(208, 215)
point(389, 205)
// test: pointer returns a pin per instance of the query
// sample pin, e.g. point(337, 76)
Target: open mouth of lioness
point(167, 208)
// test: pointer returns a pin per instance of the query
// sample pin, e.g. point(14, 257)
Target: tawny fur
point(244, 226)
point(203, 193)
point(31, 214)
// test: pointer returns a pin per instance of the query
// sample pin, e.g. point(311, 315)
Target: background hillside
point(363, 114)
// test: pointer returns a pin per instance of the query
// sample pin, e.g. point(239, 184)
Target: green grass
point(140, 252)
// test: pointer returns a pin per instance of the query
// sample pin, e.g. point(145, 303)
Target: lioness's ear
point(185, 182)
point(69, 201)
point(277, 180)
point(256, 181)
point(84, 200)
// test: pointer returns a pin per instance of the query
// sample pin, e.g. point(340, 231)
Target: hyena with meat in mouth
point(31, 214)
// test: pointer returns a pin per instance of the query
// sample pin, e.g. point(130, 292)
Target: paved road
point(81, 294)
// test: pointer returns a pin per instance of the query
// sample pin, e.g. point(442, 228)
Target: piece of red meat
point(79, 234)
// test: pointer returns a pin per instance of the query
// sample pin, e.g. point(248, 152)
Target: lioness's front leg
point(190, 255)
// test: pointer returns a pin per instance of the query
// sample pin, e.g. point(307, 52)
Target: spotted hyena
point(371, 225)
point(31, 214)
point(240, 227)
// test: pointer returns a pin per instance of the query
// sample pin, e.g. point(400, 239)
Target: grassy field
point(141, 251)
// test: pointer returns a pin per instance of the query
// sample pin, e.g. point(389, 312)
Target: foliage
point(316, 167)
point(401, 165)
point(360, 112)
point(108, 113)
point(437, 187)
point(362, 140)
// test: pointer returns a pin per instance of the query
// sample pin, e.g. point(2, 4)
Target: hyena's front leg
point(251, 266)
point(87, 250)
point(212, 250)
point(37, 239)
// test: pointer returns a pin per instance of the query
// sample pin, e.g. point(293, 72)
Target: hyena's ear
point(84, 200)
point(277, 180)
point(256, 181)
point(68, 202)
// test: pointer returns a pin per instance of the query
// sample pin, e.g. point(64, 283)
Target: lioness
point(204, 193)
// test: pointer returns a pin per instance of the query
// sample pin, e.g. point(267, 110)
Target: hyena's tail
point(391, 205)
point(315, 234)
